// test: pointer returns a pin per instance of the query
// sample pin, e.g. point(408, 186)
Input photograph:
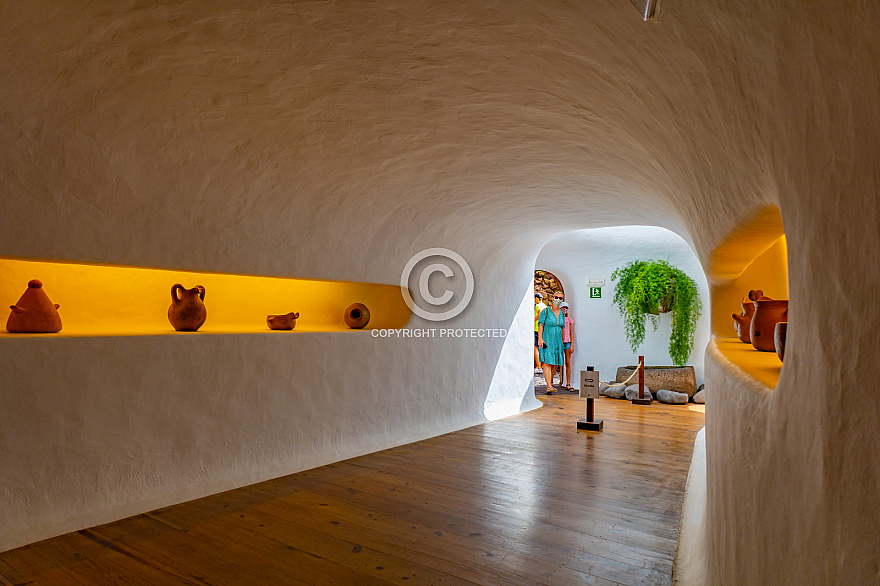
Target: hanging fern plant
point(647, 289)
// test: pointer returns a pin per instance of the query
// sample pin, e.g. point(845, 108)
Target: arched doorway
point(583, 261)
point(547, 284)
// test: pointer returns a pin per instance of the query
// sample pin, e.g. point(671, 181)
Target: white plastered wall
point(99, 428)
point(576, 257)
point(334, 140)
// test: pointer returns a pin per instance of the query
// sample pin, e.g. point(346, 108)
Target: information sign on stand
point(589, 391)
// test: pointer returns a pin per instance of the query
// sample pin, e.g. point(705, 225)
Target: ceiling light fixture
point(649, 9)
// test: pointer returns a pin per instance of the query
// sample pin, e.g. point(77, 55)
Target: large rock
point(672, 397)
point(632, 392)
point(700, 396)
point(674, 378)
point(615, 392)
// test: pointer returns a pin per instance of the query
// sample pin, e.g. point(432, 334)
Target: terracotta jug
point(741, 323)
point(282, 322)
point(34, 313)
point(357, 316)
point(187, 312)
point(779, 338)
point(768, 313)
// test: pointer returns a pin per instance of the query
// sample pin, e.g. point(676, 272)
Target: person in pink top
point(567, 336)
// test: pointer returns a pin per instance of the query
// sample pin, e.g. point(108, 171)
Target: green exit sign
point(595, 292)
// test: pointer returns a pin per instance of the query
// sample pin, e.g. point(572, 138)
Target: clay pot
point(779, 338)
point(356, 316)
point(187, 312)
point(34, 313)
point(742, 323)
point(768, 312)
point(282, 322)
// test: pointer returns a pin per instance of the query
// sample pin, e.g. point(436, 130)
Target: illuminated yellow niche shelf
point(754, 256)
point(101, 300)
point(762, 366)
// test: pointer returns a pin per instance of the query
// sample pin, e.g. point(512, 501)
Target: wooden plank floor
point(524, 500)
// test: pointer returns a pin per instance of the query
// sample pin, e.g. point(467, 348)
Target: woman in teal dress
point(550, 349)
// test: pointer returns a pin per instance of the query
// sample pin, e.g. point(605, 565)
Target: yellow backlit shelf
point(753, 256)
point(169, 331)
point(762, 366)
point(103, 300)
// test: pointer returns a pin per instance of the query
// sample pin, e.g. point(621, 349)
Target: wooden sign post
point(590, 391)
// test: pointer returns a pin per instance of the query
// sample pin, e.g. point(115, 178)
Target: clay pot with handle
point(34, 313)
point(768, 313)
point(742, 323)
point(282, 322)
point(187, 312)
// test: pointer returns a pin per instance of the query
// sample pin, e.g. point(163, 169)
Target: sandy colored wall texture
point(335, 140)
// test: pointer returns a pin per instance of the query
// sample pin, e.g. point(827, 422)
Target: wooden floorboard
point(523, 500)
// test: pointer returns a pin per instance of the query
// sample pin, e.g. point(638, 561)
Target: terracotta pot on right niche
point(768, 313)
point(357, 316)
point(742, 323)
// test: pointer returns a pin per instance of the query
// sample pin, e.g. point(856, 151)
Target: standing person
point(567, 339)
point(539, 307)
point(550, 351)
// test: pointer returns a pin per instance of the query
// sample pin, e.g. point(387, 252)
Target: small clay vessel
point(742, 323)
point(357, 316)
point(34, 313)
point(282, 322)
point(187, 312)
point(779, 338)
point(768, 312)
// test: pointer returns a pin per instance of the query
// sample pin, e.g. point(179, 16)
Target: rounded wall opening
point(751, 261)
point(583, 261)
point(546, 283)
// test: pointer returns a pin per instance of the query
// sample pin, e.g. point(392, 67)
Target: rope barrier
point(635, 372)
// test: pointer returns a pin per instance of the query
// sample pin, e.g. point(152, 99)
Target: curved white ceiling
point(262, 137)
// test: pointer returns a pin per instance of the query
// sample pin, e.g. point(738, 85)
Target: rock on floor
point(632, 392)
point(615, 392)
point(671, 397)
point(700, 397)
